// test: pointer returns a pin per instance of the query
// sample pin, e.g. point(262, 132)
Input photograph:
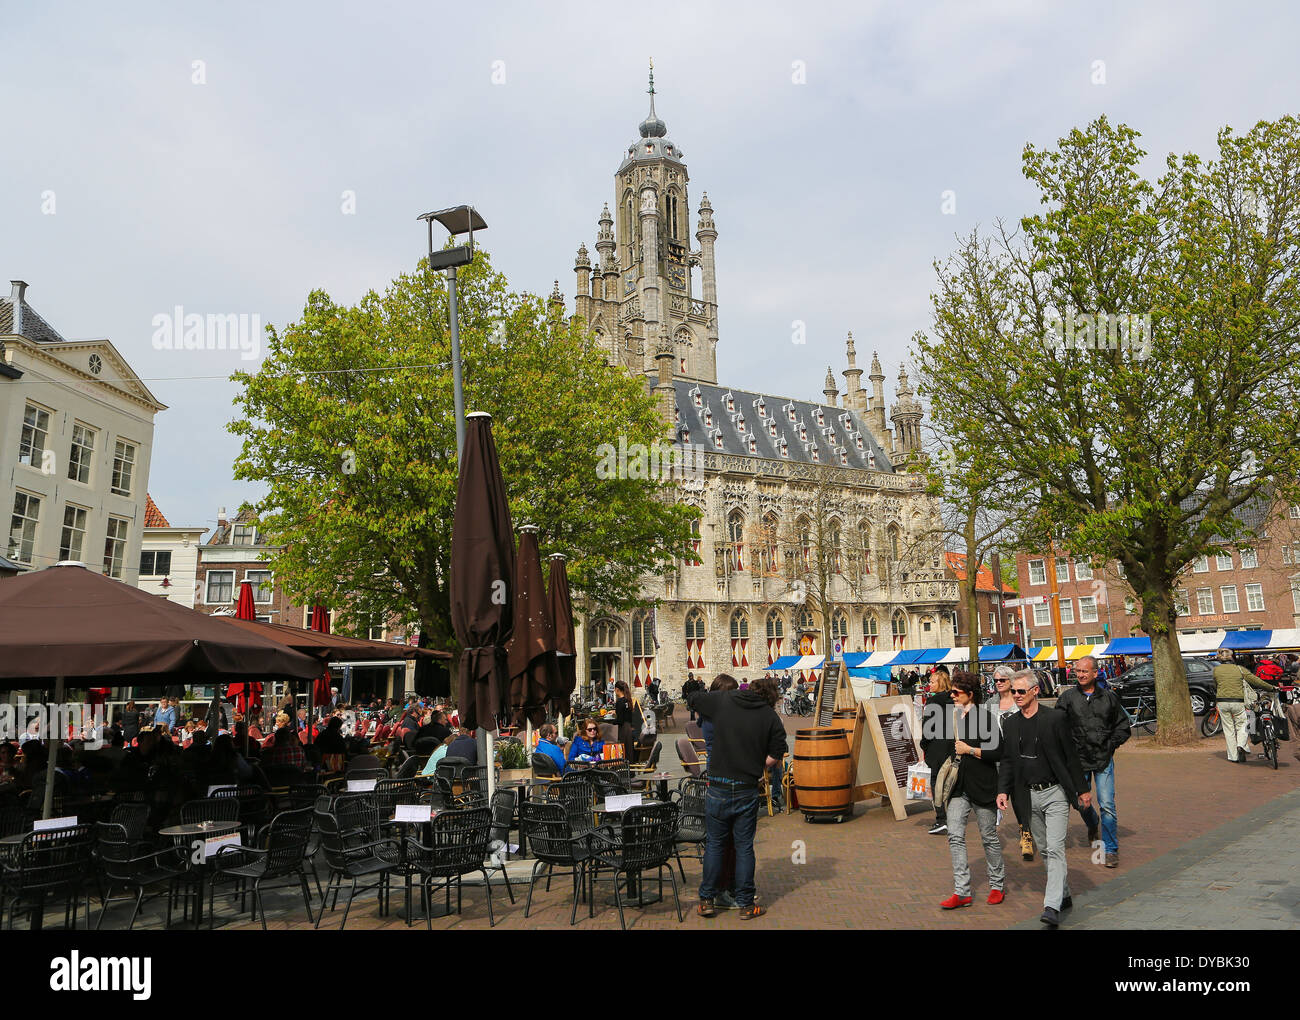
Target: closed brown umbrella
point(531, 653)
point(566, 652)
point(482, 577)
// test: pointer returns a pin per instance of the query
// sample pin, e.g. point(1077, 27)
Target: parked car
point(1141, 681)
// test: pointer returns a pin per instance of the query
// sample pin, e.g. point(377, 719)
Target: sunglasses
point(1019, 690)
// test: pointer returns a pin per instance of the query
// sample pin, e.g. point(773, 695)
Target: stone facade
point(793, 495)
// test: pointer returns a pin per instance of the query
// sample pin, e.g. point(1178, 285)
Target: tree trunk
point(971, 590)
point(1176, 725)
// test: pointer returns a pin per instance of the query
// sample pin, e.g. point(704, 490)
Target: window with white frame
point(82, 455)
point(993, 623)
point(1062, 568)
point(155, 562)
point(1228, 598)
point(1037, 572)
point(22, 527)
point(1087, 609)
point(34, 436)
point(1223, 561)
point(123, 467)
point(1204, 601)
point(1130, 607)
point(115, 546)
point(1042, 616)
point(1286, 554)
point(1119, 569)
point(1255, 598)
point(244, 534)
point(263, 588)
point(1082, 570)
point(73, 537)
point(1249, 559)
point(1202, 565)
point(1067, 610)
point(221, 587)
point(1295, 513)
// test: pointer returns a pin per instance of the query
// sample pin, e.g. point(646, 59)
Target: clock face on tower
point(677, 277)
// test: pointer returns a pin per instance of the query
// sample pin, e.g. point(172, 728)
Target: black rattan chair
point(210, 809)
point(691, 829)
point(284, 856)
point(459, 847)
point(127, 863)
point(51, 863)
point(134, 818)
point(544, 766)
point(348, 859)
point(504, 805)
point(644, 843)
point(546, 833)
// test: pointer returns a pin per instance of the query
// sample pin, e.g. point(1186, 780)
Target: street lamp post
point(460, 219)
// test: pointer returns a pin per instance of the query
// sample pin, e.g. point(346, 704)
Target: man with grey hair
point(1005, 705)
point(1099, 725)
point(1041, 770)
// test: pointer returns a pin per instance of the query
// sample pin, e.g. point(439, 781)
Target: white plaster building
point(76, 433)
point(169, 557)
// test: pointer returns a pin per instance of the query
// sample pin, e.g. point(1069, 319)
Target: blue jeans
point(1105, 798)
point(730, 812)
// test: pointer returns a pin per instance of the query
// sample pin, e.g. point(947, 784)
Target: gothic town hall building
point(787, 482)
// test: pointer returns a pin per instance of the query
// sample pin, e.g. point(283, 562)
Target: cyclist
point(1231, 680)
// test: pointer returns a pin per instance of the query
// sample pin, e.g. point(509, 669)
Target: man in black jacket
point(747, 739)
point(1041, 770)
point(1099, 725)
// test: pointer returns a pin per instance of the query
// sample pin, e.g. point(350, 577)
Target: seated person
point(547, 745)
point(431, 766)
point(586, 745)
point(436, 727)
point(281, 721)
point(464, 746)
point(286, 752)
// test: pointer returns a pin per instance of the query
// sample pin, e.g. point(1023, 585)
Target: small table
point(661, 778)
point(633, 881)
point(401, 854)
point(201, 830)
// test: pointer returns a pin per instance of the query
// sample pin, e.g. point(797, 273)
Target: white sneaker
point(939, 829)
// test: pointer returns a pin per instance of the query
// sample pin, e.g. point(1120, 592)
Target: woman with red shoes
point(977, 749)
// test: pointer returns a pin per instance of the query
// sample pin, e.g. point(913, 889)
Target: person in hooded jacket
point(748, 738)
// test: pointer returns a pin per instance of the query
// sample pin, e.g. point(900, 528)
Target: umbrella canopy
point(482, 571)
point(241, 692)
point(71, 622)
point(566, 651)
point(333, 647)
point(320, 622)
point(244, 608)
point(534, 673)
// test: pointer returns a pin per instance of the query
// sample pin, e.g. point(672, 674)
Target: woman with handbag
point(973, 788)
point(936, 737)
point(628, 718)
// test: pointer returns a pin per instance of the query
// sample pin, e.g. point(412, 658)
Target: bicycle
point(1211, 723)
point(1266, 726)
point(1143, 716)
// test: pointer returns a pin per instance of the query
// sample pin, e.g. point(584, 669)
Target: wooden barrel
point(845, 719)
point(823, 773)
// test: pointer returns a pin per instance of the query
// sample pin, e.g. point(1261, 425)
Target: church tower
point(641, 287)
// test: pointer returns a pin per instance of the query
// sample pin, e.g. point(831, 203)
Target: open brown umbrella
point(334, 647)
point(566, 652)
point(73, 627)
point(531, 653)
point(482, 576)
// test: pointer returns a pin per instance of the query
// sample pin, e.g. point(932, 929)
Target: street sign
point(1031, 600)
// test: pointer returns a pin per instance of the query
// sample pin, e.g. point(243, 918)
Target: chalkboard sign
point(830, 688)
point(900, 745)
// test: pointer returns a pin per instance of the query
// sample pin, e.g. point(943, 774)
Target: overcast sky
point(227, 196)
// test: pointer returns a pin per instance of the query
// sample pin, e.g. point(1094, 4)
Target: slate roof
point(34, 327)
point(706, 412)
point(225, 532)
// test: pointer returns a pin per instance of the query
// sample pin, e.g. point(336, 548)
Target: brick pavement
point(873, 872)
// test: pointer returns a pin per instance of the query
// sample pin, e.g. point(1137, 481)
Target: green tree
point(349, 422)
point(1146, 338)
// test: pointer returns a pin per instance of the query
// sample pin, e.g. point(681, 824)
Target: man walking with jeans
point(747, 739)
point(1041, 770)
point(1099, 725)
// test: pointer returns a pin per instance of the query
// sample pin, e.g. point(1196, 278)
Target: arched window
point(606, 634)
point(768, 557)
point(840, 629)
point(893, 543)
point(806, 619)
point(670, 215)
point(739, 638)
point(900, 629)
point(775, 636)
point(870, 632)
point(836, 552)
point(735, 541)
point(804, 530)
point(695, 639)
point(643, 647)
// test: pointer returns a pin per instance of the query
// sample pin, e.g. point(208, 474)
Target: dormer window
point(844, 457)
point(816, 458)
point(740, 424)
point(708, 418)
point(244, 534)
point(762, 407)
point(785, 450)
point(821, 418)
point(790, 409)
point(753, 445)
point(699, 399)
point(717, 441)
point(731, 403)
point(871, 459)
point(803, 433)
point(771, 428)
point(859, 441)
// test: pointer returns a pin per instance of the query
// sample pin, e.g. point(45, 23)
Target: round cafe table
point(188, 834)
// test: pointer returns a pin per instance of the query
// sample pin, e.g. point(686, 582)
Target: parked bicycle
point(1143, 715)
point(1267, 711)
point(797, 701)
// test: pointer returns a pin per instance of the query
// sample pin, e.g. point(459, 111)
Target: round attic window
point(96, 364)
